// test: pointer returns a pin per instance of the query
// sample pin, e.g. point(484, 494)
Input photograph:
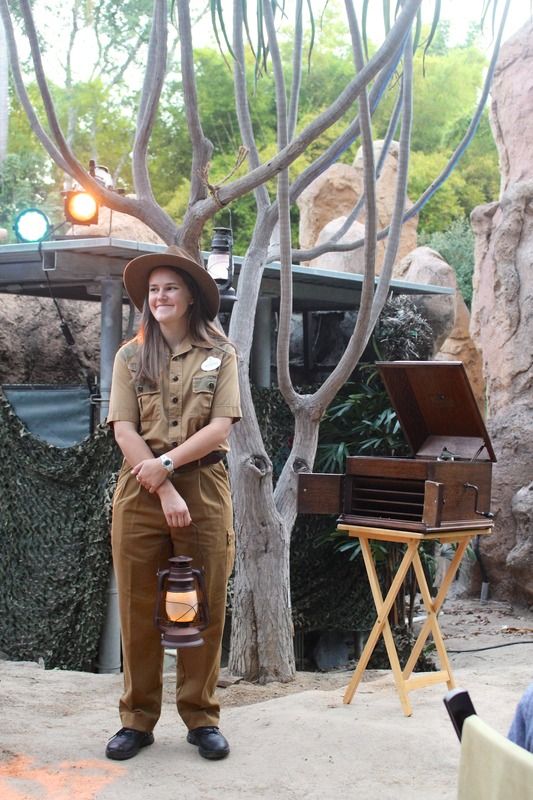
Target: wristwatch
point(166, 461)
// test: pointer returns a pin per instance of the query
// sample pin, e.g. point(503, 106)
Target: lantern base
point(174, 638)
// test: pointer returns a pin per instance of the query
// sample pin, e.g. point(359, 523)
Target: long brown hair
point(153, 349)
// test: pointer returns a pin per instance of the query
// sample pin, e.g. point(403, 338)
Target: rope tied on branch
point(213, 188)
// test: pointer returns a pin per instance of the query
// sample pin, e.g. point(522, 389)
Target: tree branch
point(295, 148)
point(25, 101)
point(201, 146)
point(285, 303)
point(356, 210)
point(401, 186)
point(296, 69)
point(241, 101)
point(151, 92)
point(335, 150)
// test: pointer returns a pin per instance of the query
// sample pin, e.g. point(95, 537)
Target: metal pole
point(109, 654)
point(261, 354)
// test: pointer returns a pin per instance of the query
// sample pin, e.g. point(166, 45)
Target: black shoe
point(126, 743)
point(211, 743)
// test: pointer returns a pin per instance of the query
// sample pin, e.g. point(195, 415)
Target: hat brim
point(137, 272)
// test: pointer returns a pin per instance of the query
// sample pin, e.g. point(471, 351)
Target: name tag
point(210, 364)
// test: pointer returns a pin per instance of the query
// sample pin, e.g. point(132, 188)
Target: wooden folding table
point(404, 679)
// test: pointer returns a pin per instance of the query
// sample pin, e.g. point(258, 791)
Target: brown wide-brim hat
point(138, 271)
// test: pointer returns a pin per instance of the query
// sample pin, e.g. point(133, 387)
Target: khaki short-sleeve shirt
point(199, 383)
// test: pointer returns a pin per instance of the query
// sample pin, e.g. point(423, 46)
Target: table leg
point(381, 626)
point(433, 607)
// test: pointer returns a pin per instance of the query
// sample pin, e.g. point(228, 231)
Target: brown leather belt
point(210, 458)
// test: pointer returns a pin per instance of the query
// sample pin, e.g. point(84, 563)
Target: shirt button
point(174, 399)
point(174, 422)
point(174, 444)
point(175, 378)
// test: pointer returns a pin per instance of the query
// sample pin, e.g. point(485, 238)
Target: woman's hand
point(174, 506)
point(150, 473)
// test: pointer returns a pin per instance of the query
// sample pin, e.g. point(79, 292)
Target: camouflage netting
point(54, 543)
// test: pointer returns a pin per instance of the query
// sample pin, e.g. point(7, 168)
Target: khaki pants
point(142, 543)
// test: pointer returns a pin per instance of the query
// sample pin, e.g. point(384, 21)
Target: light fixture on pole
point(220, 262)
point(181, 610)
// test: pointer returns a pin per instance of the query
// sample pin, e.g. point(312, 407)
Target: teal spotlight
point(32, 225)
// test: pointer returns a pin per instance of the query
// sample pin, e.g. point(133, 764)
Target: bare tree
point(261, 647)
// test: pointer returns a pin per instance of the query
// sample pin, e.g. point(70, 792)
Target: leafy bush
point(456, 246)
point(362, 420)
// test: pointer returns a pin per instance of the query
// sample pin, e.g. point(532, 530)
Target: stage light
point(32, 225)
point(80, 208)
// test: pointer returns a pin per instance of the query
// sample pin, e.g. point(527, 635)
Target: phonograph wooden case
point(444, 487)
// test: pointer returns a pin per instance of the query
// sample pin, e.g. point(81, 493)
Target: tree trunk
point(262, 631)
point(261, 638)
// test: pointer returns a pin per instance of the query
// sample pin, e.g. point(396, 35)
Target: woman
point(174, 398)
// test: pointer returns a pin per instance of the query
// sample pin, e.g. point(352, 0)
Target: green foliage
point(315, 566)
point(456, 246)
point(362, 420)
point(21, 186)
point(402, 333)
point(444, 90)
point(447, 81)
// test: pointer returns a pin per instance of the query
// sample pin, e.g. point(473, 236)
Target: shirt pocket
point(203, 387)
point(149, 400)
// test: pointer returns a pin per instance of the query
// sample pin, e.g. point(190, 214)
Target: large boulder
point(425, 265)
point(520, 558)
point(332, 194)
point(33, 348)
point(386, 196)
point(502, 329)
point(329, 199)
point(350, 261)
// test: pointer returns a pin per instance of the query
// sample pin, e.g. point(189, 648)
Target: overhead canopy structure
point(91, 267)
point(76, 267)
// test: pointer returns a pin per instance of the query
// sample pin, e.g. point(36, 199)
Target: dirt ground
point(289, 741)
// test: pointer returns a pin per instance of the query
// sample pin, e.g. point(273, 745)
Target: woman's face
point(168, 297)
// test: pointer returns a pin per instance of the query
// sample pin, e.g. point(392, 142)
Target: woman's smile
point(168, 296)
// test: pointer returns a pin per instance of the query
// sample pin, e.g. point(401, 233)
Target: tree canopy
point(447, 82)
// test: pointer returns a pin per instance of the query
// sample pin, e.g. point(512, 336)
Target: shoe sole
point(213, 756)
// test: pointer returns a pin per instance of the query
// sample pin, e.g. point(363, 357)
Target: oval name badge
point(210, 363)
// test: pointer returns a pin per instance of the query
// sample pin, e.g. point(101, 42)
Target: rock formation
point(350, 261)
point(502, 316)
point(332, 194)
point(331, 197)
point(460, 347)
point(425, 265)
